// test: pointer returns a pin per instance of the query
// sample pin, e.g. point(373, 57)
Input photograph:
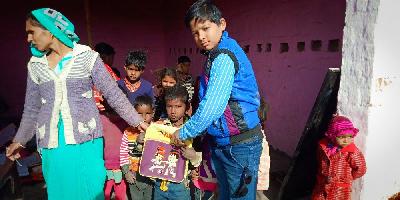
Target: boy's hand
point(189, 153)
point(175, 139)
point(130, 177)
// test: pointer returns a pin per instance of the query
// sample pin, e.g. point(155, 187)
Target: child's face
point(168, 81)
point(133, 73)
point(207, 34)
point(344, 140)
point(176, 110)
point(146, 111)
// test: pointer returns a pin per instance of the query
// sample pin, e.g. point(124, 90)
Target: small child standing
point(133, 85)
point(177, 105)
point(183, 68)
point(168, 77)
point(340, 161)
point(131, 150)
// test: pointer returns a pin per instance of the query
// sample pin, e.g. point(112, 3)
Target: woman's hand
point(143, 126)
point(12, 151)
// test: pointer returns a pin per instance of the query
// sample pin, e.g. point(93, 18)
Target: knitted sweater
point(69, 93)
point(130, 151)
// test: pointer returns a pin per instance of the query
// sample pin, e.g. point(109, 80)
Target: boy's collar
point(224, 35)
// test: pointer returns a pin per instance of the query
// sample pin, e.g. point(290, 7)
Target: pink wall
point(290, 80)
point(131, 26)
point(125, 26)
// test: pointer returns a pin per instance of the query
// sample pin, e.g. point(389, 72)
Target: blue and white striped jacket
point(228, 93)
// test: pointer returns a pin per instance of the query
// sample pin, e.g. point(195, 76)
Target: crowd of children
point(209, 173)
point(219, 149)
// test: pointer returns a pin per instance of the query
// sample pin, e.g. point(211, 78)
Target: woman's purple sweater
point(69, 95)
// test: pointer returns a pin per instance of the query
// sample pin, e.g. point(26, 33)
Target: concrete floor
point(279, 165)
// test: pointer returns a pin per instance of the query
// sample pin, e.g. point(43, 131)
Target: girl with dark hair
point(168, 77)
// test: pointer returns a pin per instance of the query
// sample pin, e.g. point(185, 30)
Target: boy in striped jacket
point(131, 150)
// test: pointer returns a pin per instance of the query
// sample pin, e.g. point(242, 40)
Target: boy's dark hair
point(104, 49)
point(137, 58)
point(183, 59)
point(203, 10)
point(177, 92)
point(143, 100)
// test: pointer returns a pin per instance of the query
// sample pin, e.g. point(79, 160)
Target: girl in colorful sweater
point(60, 109)
point(340, 161)
point(131, 151)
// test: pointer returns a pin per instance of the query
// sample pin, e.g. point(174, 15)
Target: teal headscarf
point(58, 25)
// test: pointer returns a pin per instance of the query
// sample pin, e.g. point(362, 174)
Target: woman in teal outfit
point(59, 108)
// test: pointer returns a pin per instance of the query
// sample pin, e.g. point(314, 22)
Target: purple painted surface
point(291, 80)
point(163, 161)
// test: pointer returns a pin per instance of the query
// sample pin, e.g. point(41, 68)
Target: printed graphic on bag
point(163, 161)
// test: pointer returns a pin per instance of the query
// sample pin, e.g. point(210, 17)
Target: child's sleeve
point(115, 97)
point(357, 163)
point(32, 106)
point(213, 105)
point(124, 151)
